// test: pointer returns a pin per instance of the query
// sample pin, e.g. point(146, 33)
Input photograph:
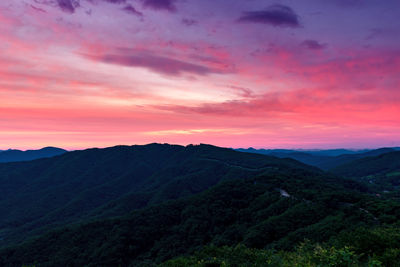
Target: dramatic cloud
point(313, 44)
point(163, 65)
point(160, 4)
point(198, 75)
point(275, 15)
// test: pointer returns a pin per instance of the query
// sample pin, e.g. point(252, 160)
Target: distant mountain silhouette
point(324, 159)
point(318, 152)
point(13, 155)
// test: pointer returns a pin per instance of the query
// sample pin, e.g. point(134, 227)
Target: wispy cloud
point(159, 64)
point(198, 71)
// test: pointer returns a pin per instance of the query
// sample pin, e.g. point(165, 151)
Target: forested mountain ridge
point(13, 155)
point(371, 165)
point(45, 193)
point(323, 159)
point(253, 212)
point(381, 172)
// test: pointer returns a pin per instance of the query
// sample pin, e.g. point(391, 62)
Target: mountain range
point(147, 205)
point(13, 155)
point(112, 181)
point(324, 159)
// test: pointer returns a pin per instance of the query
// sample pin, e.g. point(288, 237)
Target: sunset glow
point(272, 74)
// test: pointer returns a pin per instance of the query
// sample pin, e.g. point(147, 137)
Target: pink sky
point(271, 74)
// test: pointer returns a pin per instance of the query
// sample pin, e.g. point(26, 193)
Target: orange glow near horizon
point(83, 79)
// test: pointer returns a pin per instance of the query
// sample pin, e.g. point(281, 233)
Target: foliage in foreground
point(371, 247)
point(306, 255)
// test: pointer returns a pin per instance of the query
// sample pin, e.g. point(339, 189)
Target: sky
point(237, 73)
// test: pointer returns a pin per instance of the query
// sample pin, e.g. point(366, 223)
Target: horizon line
point(69, 149)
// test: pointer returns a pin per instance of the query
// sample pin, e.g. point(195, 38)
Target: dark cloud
point(163, 65)
point(131, 10)
point(160, 4)
point(115, 1)
point(189, 22)
point(313, 44)
point(275, 15)
point(68, 5)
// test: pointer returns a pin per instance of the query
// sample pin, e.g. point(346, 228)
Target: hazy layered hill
point(13, 155)
point(382, 171)
point(317, 152)
point(324, 159)
point(383, 164)
point(44, 193)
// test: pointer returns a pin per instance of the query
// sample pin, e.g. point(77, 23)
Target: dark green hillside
point(277, 209)
point(95, 183)
point(382, 171)
point(347, 158)
point(382, 164)
point(324, 159)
